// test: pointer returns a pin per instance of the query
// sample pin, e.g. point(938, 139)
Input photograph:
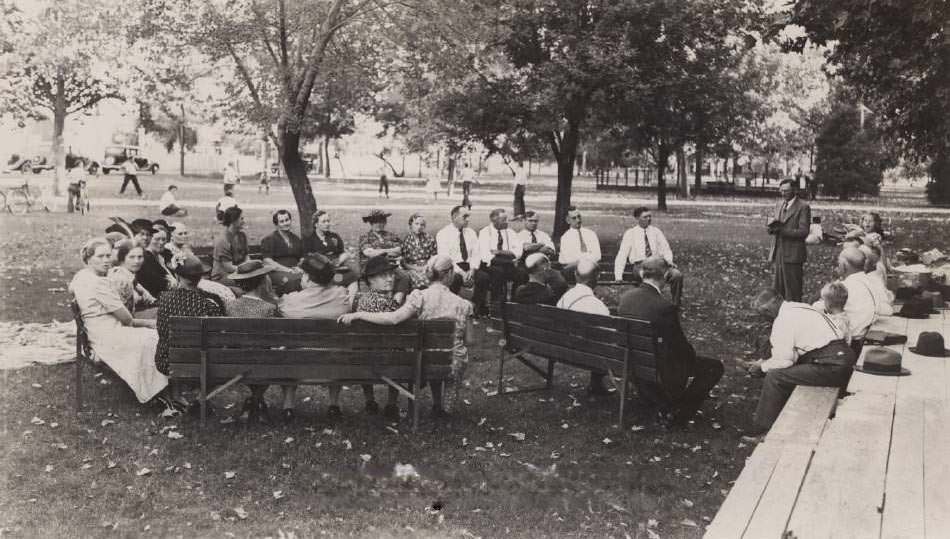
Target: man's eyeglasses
point(573, 217)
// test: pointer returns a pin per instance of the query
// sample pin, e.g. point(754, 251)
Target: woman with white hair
point(126, 344)
point(436, 301)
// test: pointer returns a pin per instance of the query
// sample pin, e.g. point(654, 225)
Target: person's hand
point(468, 278)
point(395, 251)
point(145, 323)
point(547, 251)
point(344, 257)
point(296, 269)
point(348, 318)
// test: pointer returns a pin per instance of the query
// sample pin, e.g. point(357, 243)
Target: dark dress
point(286, 252)
point(153, 276)
point(179, 302)
point(332, 248)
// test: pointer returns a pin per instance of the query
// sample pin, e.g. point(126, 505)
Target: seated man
point(581, 298)
point(861, 307)
point(679, 399)
point(577, 243)
point(168, 206)
point(538, 241)
point(499, 248)
point(809, 348)
point(883, 298)
point(460, 243)
point(536, 290)
point(642, 242)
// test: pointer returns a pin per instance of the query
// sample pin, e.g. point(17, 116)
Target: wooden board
point(844, 489)
point(778, 500)
point(258, 373)
point(904, 505)
point(737, 510)
point(309, 357)
point(804, 416)
point(936, 452)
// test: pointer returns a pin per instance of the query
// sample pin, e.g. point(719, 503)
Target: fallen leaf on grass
point(53, 425)
point(48, 468)
point(328, 432)
point(467, 402)
point(482, 421)
point(517, 436)
point(278, 494)
point(37, 421)
point(110, 465)
point(106, 422)
point(607, 441)
point(289, 440)
point(565, 426)
point(240, 512)
point(366, 457)
point(85, 466)
point(687, 502)
point(143, 472)
point(36, 386)
point(175, 435)
point(227, 420)
point(637, 428)
point(229, 475)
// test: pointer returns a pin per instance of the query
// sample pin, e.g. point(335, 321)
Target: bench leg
point(550, 377)
point(501, 370)
point(412, 399)
point(203, 396)
point(78, 383)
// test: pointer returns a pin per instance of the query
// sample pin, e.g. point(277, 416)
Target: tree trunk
point(181, 142)
point(663, 154)
point(566, 156)
point(682, 177)
point(59, 122)
point(326, 156)
point(297, 177)
point(451, 161)
point(698, 182)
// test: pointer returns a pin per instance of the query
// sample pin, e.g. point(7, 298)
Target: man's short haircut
point(639, 211)
point(853, 257)
point(530, 214)
point(765, 300)
point(280, 212)
point(172, 186)
point(495, 213)
point(455, 211)
point(790, 181)
point(231, 215)
point(586, 271)
point(319, 268)
point(654, 268)
point(834, 295)
point(571, 208)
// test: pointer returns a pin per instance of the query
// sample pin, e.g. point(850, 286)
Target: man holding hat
point(809, 348)
point(534, 240)
point(499, 249)
point(678, 397)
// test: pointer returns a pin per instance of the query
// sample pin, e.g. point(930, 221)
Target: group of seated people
point(818, 344)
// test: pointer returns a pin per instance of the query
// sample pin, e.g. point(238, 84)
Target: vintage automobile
point(39, 163)
point(310, 160)
point(115, 156)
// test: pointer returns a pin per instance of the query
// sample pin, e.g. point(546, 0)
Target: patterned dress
point(248, 307)
point(417, 249)
point(377, 240)
point(179, 302)
point(437, 301)
point(375, 302)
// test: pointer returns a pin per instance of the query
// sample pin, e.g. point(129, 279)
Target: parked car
point(35, 164)
point(115, 156)
point(310, 160)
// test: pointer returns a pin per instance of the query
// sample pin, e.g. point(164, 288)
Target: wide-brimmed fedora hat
point(376, 216)
point(930, 343)
point(916, 308)
point(191, 266)
point(250, 269)
point(378, 264)
point(882, 362)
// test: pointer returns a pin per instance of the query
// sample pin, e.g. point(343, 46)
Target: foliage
point(850, 156)
point(895, 53)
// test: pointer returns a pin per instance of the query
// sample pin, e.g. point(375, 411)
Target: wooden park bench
point(302, 351)
point(625, 349)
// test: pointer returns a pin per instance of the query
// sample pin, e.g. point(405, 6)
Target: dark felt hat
point(376, 216)
point(882, 362)
point(251, 269)
point(916, 308)
point(191, 266)
point(120, 225)
point(378, 264)
point(163, 223)
point(930, 343)
point(141, 224)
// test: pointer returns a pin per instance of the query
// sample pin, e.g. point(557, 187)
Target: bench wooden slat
point(904, 506)
point(804, 416)
point(844, 491)
point(566, 339)
point(313, 357)
point(936, 449)
point(736, 511)
point(257, 339)
point(255, 373)
point(561, 318)
point(776, 504)
point(637, 334)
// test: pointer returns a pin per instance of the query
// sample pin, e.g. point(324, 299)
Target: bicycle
point(21, 199)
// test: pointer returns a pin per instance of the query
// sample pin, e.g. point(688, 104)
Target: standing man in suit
point(789, 228)
point(678, 398)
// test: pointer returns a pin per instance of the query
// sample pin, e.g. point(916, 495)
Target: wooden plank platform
point(879, 468)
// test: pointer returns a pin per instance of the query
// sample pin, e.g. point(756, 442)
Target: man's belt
point(836, 353)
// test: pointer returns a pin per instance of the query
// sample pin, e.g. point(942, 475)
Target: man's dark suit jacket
point(646, 303)
point(791, 235)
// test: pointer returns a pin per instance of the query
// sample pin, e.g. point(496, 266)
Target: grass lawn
point(114, 469)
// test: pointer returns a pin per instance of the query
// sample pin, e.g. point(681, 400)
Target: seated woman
point(436, 301)
point(329, 244)
point(126, 344)
point(155, 275)
point(379, 241)
point(320, 298)
point(183, 300)
point(230, 248)
point(380, 275)
point(282, 249)
point(254, 279)
point(418, 246)
point(123, 277)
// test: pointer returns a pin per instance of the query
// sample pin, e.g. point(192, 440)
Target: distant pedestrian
point(433, 185)
point(167, 204)
point(130, 170)
point(383, 182)
point(265, 180)
point(230, 174)
point(468, 178)
point(520, 186)
point(225, 202)
point(77, 182)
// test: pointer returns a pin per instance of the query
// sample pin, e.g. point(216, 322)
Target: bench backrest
point(83, 348)
point(275, 348)
point(585, 340)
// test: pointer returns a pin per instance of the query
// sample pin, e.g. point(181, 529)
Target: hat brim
point(250, 275)
point(903, 371)
point(914, 316)
point(915, 349)
point(376, 218)
point(204, 270)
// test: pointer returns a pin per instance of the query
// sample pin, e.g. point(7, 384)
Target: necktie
point(534, 239)
point(784, 209)
point(581, 237)
point(646, 244)
point(462, 247)
point(501, 242)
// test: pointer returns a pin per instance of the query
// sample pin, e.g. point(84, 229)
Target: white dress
point(128, 351)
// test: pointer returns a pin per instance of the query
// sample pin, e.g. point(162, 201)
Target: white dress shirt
point(861, 307)
point(488, 240)
point(167, 200)
point(883, 298)
point(800, 328)
point(581, 298)
point(633, 248)
point(521, 176)
point(447, 243)
point(571, 246)
point(540, 237)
